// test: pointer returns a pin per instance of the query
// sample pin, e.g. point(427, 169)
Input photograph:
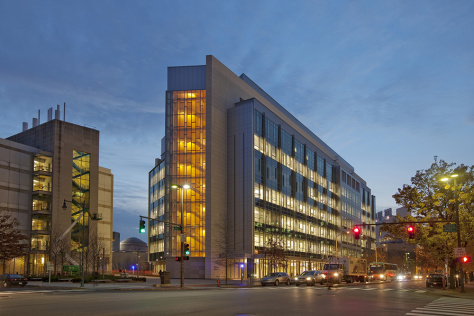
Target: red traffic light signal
point(411, 232)
point(465, 259)
point(177, 258)
point(356, 231)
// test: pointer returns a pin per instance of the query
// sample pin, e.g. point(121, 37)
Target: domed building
point(133, 244)
point(133, 256)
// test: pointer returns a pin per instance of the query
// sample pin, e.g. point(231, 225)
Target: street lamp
point(182, 187)
point(458, 224)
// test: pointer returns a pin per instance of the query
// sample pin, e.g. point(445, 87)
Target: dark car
point(7, 280)
point(435, 279)
point(310, 278)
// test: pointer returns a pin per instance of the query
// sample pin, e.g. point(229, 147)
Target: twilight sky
point(387, 84)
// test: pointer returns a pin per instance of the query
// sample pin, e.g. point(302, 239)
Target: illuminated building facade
point(260, 180)
point(41, 167)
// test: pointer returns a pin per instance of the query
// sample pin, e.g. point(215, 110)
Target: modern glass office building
point(265, 192)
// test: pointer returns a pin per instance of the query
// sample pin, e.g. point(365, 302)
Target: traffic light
point(465, 259)
point(186, 251)
point(142, 226)
point(411, 232)
point(356, 231)
point(177, 258)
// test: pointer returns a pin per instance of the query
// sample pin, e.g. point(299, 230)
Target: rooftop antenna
point(64, 112)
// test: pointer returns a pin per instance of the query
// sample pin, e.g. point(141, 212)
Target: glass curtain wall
point(80, 199)
point(188, 166)
point(295, 201)
point(156, 210)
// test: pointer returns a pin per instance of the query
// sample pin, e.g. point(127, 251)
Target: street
point(391, 298)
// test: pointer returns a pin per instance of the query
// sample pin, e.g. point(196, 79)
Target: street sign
point(176, 228)
point(183, 237)
point(449, 228)
point(459, 252)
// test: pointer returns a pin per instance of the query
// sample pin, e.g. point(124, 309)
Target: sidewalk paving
point(153, 283)
point(468, 288)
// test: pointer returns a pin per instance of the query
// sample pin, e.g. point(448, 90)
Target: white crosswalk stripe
point(446, 306)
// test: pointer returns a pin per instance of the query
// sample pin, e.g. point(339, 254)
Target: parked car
point(435, 279)
point(7, 280)
point(293, 279)
point(310, 278)
point(276, 278)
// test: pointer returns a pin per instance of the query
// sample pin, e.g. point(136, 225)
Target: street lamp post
point(458, 226)
point(182, 188)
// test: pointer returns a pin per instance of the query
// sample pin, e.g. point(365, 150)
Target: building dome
point(133, 244)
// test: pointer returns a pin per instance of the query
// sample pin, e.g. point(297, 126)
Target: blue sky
point(387, 84)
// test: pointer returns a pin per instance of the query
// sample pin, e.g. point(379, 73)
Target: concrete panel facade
point(55, 141)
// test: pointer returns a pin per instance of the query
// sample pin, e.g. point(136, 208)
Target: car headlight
point(323, 276)
point(336, 274)
point(381, 276)
point(308, 278)
point(296, 279)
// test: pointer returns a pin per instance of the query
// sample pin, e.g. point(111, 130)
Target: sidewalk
point(152, 283)
point(468, 288)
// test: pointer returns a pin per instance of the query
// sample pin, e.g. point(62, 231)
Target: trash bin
point(165, 277)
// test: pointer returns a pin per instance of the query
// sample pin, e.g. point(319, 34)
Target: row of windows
point(276, 176)
point(279, 200)
point(317, 228)
point(350, 181)
point(288, 145)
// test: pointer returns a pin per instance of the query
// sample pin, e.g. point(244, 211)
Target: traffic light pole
point(181, 226)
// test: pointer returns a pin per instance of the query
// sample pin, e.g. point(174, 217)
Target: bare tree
point(58, 248)
point(13, 243)
point(94, 254)
point(226, 252)
point(275, 252)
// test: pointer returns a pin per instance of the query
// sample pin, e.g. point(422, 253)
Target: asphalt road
point(393, 298)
